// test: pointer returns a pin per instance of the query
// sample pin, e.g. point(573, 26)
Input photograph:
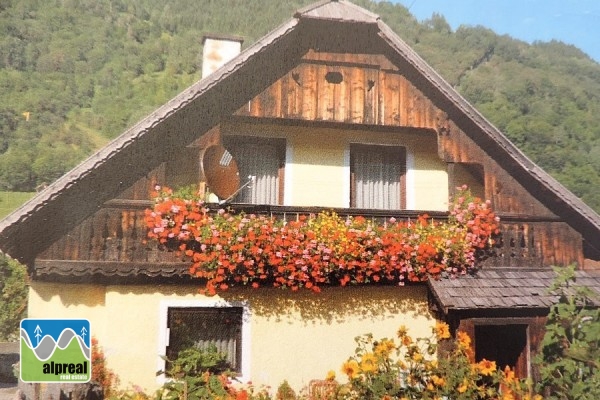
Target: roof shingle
point(504, 289)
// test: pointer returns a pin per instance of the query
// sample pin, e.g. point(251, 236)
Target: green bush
point(569, 360)
point(196, 374)
point(13, 297)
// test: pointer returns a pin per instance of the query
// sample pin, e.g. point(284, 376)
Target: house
point(301, 110)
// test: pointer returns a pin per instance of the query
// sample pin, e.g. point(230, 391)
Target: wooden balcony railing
point(116, 235)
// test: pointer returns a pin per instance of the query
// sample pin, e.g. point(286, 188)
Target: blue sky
point(574, 22)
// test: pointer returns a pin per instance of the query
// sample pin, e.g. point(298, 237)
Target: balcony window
point(377, 177)
point(264, 159)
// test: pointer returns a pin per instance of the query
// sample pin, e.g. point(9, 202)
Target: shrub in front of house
point(404, 367)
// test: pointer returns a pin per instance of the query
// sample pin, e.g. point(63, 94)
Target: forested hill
point(76, 73)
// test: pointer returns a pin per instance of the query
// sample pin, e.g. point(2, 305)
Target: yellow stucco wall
point(317, 170)
point(57, 300)
point(293, 336)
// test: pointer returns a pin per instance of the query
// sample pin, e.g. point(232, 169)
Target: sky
point(575, 22)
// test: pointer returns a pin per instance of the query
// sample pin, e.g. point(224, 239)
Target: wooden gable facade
point(332, 76)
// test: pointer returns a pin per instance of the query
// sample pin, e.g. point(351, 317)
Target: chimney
point(218, 50)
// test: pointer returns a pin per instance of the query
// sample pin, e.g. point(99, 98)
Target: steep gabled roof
point(153, 140)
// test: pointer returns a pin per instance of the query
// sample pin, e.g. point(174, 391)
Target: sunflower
point(351, 369)
point(384, 347)
point(486, 367)
point(368, 363)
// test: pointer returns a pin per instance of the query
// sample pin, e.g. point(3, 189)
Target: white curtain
point(261, 159)
point(378, 172)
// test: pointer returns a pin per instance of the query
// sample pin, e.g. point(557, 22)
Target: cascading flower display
point(228, 249)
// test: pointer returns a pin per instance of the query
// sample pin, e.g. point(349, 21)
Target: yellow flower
point(463, 386)
point(417, 356)
point(438, 380)
point(486, 367)
point(527, 396)
point(385, 347)
point(442, 330)
point(509, 375)
point(351, 368)
point(330, 375)
point(402, 331)
point(368, 363)
point(508, 395)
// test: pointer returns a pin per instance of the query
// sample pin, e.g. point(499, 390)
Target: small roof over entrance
point(505, 289)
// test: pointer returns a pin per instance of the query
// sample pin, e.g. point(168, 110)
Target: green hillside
point(76, 73)
point(10, 201)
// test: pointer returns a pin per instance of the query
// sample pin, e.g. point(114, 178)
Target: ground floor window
point(216, 326)
point(208, 329)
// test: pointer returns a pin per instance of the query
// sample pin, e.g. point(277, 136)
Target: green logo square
point(56, 350)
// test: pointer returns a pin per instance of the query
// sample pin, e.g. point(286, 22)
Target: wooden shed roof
point(338, 26)
point(506, 289)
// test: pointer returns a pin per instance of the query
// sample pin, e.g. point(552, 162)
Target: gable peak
point(337, 10)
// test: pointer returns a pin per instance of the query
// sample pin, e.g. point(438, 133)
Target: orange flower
point(406, 340)
point(442, 330)
point(464, 340)
point(241, 395)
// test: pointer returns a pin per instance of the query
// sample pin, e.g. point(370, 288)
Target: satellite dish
point(219, 170)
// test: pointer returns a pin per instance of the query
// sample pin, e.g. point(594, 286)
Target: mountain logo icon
point(56, 350)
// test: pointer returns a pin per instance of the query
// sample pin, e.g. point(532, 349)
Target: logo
point(55, 350)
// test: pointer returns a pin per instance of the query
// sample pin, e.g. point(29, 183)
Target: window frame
point(163, 339)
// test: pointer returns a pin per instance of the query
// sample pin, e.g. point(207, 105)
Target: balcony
point(112, 243)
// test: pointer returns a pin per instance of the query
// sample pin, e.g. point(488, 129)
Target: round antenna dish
point(219, 170)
